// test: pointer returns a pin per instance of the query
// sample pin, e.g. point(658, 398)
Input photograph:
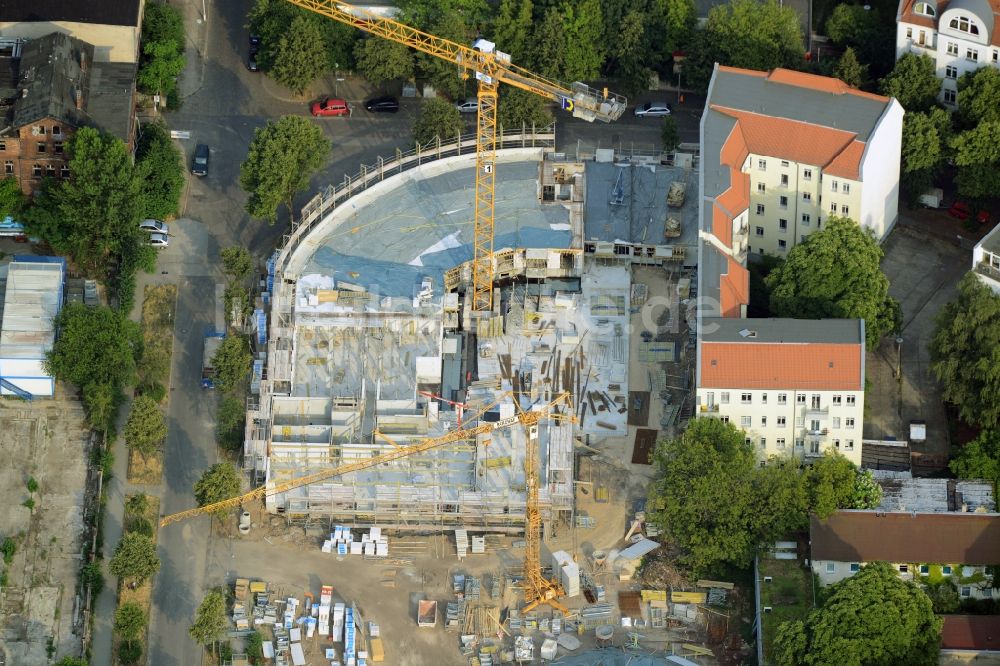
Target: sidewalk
point(196, 49)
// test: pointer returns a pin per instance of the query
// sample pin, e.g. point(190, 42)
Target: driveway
point(924, 269)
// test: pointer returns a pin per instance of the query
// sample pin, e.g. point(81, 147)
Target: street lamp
point(899, 364)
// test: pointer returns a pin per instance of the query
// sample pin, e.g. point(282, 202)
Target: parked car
point(254, 44)
point(653, 110)
point(252, 62)
point(470, 105)
point(960, 210)
point(159, 240)
point(330, 106)
point(932, 198)
point(387, 104)
point(199, 163)
point(158, 226)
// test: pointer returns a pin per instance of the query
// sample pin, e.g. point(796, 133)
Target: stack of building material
point(478, 545)
point(338, 622)
point(458, 585)
point(325, 599)
point(524, 649)
point(454, 615)
point(568, 571)
point(241, 589)
point(350, 648)
point(462, 543)
point(549, 647)
point(471, 588)
point(496, 585)
point(597, 615)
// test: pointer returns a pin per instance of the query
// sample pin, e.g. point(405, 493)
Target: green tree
point(781, 506)
point(671, 25)
point(232, 362)
point(836, 274)
point(255, 646)
point(873, 617)
point(137, 505)
point(703, 495)
point(979, 459)
point(512, 28)
point(220, 482)
point(229, 423)
point(129, 653)
point(162, 57)
point(548, 57)
point(146, 428)
point(979, 96)
point(861, 28)
point(977, 156)
point(965, 353)
point(380, 60)
point(272, 19)
point(849, 70)
point(130, 621)
point(584, 27)
point(867, 493)
point(283, 156)
point(926, 138)
point(519, 107)
point(629, 53)
point(95, 345)
point(913, 82)
point(12, 200)
point(210, 620)
point(237, 263)
point(669, 135)
point(161, 170)
point(443, 75)
point(300, 56)
point(831, 484)
point(438, 118)
point(135, 558)
point(746, 33)
point(944, 596)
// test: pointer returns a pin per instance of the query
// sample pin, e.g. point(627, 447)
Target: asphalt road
point(223, 104)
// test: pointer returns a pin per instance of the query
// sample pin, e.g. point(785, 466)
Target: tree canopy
point(849, 70)
point(282, 157)
point(836, 274)
point(512, 28)
point(977, 156)
point(926, 137)
point(12, 200)
point(913, 82)
point(300, 56)
point(861, 29)
point(517, 107)
point(438, 118)
point(272, 19)
point(232, 362)
point(380, 60)
point(146, 428)
point(237, 262)
point(979, 96)
point(135, 558)
point(979, 459)
point(210, 620)
point(130, 620)
point(160, 167)
point(162, 41)
point(873, 617)
point(220, 482)
point(965, 352)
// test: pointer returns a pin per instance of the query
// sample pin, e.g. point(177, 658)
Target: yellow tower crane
point(490, 67)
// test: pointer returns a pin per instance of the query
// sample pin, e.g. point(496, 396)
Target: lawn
point(789, 594)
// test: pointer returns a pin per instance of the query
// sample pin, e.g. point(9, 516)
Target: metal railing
point(990, 271)
point(333, 195)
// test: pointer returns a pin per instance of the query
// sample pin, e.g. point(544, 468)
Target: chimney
point(83, 61)
point(79, 99)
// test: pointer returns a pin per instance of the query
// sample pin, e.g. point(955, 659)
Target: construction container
point(427, 613)
point(549, 649)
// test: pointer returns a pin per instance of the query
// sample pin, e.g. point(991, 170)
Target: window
point(802, 238)
point(815, 401)
point(37, 130)
point(784, 163)
point(64, 172)
point(845, 210)
point(3, 145)
point(909, 33)
point(855, 567)
point(805, 219)
point(799, 422)
point(724, 419)
point(800, 443)
point(946, 570)
point(763, 442)
point(761, 187)
point(966, 591)
point(724, 397)
point(814, 425)
point(833, 185)
point(745, 421)
point(836, 443)
point(58, 147)
point(746, 398)
point(783, 202)
point(56, 130)
point(782, 244)
point(36, 171)
point(784, 179)
point(781, 421)
point(846, 189)
point(996, 55)
point(836, 400)
point(833, 208)
point(851, 400)
point(783, 225)
point(50, 171)
point(762, 164)
point(8, 167)
point(760, 209)
point(807, 196)
point(782, 398)
point(763, 398)
point(849, 422)
point(924, 569)
point(760, 231)
point(972, 54)
point(963, 24)
point(904, 568)
point(748, 441)
point(951, 72)
point(42, 146)
point(800, 399)
point(952, 49)
point(807, 174)
point(836, 422)
point(949, 96)
point(813, 446)
point(780, 442)
point(763, 423)
point(987, 592)
point(831, 567)
point(924, 8)
point(849, 446)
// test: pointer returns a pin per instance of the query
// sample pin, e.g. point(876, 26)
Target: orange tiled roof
point(797, 141)
point(827, 84)
point(734, 289)
point(755, 365)
point(722, 225)
point(848, 162)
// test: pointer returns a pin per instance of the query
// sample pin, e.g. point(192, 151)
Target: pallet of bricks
point(373, 544)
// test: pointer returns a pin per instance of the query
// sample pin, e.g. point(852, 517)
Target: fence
point(333, 195)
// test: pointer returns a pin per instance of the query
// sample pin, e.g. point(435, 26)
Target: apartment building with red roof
point(959, 35)
point(781, 152)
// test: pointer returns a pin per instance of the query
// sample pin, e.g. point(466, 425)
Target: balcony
point(920, 48)
point(705, 409)
point(817, 412)
point(822, 432)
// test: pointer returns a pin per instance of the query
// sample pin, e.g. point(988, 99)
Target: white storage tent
point(32, 301)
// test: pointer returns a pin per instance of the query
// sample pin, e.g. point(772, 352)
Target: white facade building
point(986, 260)
point(959, 35)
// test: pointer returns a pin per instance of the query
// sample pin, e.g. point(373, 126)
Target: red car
point(331, 106)
point(961, 211)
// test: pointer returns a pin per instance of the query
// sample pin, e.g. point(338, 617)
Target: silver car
point(159, 240)
point(470, 105)
point(652, 110)
point(154, 226)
